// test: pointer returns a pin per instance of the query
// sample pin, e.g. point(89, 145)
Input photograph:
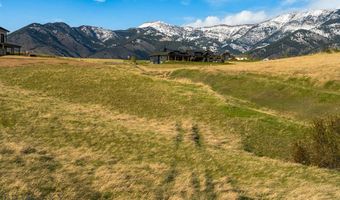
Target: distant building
point(5, 47)
point(227, 56)
point(242, 58)
point(188, 56)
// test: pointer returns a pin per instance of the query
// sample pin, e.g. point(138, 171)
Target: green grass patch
point(295, 96)
point(89, 133)
point(155, 99)
point(194, 63)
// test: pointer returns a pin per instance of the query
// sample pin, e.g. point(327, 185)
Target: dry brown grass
point(21, 61)
point(236, 172)
point(321, 67)
point(75, 140)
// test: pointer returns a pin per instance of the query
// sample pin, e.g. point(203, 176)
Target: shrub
point(133, 60)
point(301, 154)
point(322, 148)
point(325, 150)
point(328, 50)
point(331, 50)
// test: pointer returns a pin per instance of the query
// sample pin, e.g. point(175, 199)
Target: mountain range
point(290, 34)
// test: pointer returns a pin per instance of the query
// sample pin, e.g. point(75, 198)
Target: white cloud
point(324, 4)
point(314, 4)
point(244, 17)
point(100, 1)
point(251, 17)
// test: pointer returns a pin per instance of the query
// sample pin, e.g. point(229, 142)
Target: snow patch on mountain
point(104, 34)
point(166, 29)
point(100, 33)
point(225, 32)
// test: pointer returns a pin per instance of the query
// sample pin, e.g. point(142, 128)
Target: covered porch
point(12, 49)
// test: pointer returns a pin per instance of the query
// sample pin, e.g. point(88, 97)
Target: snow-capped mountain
point(288, 34)
point(244, 38)
point(219, 32)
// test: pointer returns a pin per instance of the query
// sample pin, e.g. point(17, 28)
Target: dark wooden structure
point(189, 56)
point(5, 47)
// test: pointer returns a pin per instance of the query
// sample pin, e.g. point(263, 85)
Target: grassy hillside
point(291, 97)
point(105, 129)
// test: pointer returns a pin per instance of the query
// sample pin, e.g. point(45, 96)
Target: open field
point(107, 129)
point(320, 67)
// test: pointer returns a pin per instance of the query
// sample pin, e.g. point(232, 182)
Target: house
point(165, 55)
point(160, 57)
point(188, 56)
point(5, 47)
point(227, 56)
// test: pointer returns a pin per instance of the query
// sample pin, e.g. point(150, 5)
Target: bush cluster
point(322, 146)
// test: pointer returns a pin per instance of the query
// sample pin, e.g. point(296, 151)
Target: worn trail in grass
point(156, 99)
point(68, 146)
point(302, 102)
point(109, 132)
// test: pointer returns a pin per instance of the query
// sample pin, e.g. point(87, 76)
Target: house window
point(2, 38)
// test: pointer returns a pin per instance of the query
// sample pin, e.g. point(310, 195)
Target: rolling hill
point(111, 129)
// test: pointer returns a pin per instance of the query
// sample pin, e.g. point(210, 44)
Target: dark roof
point(160, 53)
point(12, 45)
point(188, 53)
point(4, 29)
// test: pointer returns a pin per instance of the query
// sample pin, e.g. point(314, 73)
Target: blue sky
point(122, 14)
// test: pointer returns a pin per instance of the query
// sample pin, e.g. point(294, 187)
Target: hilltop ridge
point(289, 34)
